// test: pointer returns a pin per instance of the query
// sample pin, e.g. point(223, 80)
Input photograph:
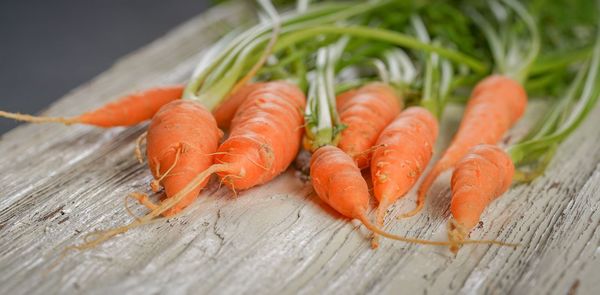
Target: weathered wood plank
point(62, 182)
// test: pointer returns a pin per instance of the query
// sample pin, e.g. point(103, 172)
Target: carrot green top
point(534, 152)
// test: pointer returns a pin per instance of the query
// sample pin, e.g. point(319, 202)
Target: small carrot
point(225, 111)
point(181, 141)
point(339, 183)
point(265, 135)
point(496, 104)
point(404, 150)
point(480, 177)
point(126, 111)
point(405, 147)
point(365, 114)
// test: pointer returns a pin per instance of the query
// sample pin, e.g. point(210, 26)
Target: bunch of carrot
point(384, 117)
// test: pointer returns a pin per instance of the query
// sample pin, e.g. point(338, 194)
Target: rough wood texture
point(59, 183)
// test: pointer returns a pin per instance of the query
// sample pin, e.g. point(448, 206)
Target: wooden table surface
point(59, 183)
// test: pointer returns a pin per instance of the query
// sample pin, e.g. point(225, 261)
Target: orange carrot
point(339, 183)
point(404, 150)
point(265, 137)
point(181, 141)
point(365, 114)
point(480, 177)
point(224, 112)
point(496, 104)
point(343, 97)
point(126, 111)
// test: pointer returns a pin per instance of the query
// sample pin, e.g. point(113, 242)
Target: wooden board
point(59, 183)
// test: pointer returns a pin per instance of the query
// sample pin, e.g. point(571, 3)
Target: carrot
point(343, 97)
point(480, 177)
point(181, 141)
point(404, 150)
point(338, 182)
point(265, 137)
point(225, 111)
point(126, 111)
point(495, 105)
point(365, 114)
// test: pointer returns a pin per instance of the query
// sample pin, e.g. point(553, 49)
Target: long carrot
point(480, 177)
point(365, 114)
point(404, 150)
point(126, 111)
point(405, 147)
point(496, 104)
point(338, 182)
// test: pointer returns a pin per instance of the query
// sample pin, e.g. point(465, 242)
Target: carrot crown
point(323, 125)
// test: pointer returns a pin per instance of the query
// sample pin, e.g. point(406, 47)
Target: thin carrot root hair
point(138, 147)
point(367, 151)
point(38, 119)
point(234, 154)
point(422, 192)
point(92, 240)
point(372, 227)
point(127, 208)
point(380, 217)
point(155, 184)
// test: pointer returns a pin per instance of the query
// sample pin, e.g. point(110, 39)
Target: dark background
point(48, 47)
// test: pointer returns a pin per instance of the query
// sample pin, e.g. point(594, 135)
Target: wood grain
point(59, 183)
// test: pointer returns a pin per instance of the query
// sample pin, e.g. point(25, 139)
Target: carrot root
point(380, 218)
point(39, 119)
point(372, 227)
point(94, 239)
point(155, 185)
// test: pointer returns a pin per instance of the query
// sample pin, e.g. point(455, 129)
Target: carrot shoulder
point(365, 114)
point(496, 103)
point(225, 111)
point(126, 111)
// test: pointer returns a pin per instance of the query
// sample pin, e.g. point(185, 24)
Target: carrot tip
point(155, 185)
point(413, 212)
point(457, 234)
point(375, 242)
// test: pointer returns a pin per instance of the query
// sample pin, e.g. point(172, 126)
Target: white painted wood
point(59, 183)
